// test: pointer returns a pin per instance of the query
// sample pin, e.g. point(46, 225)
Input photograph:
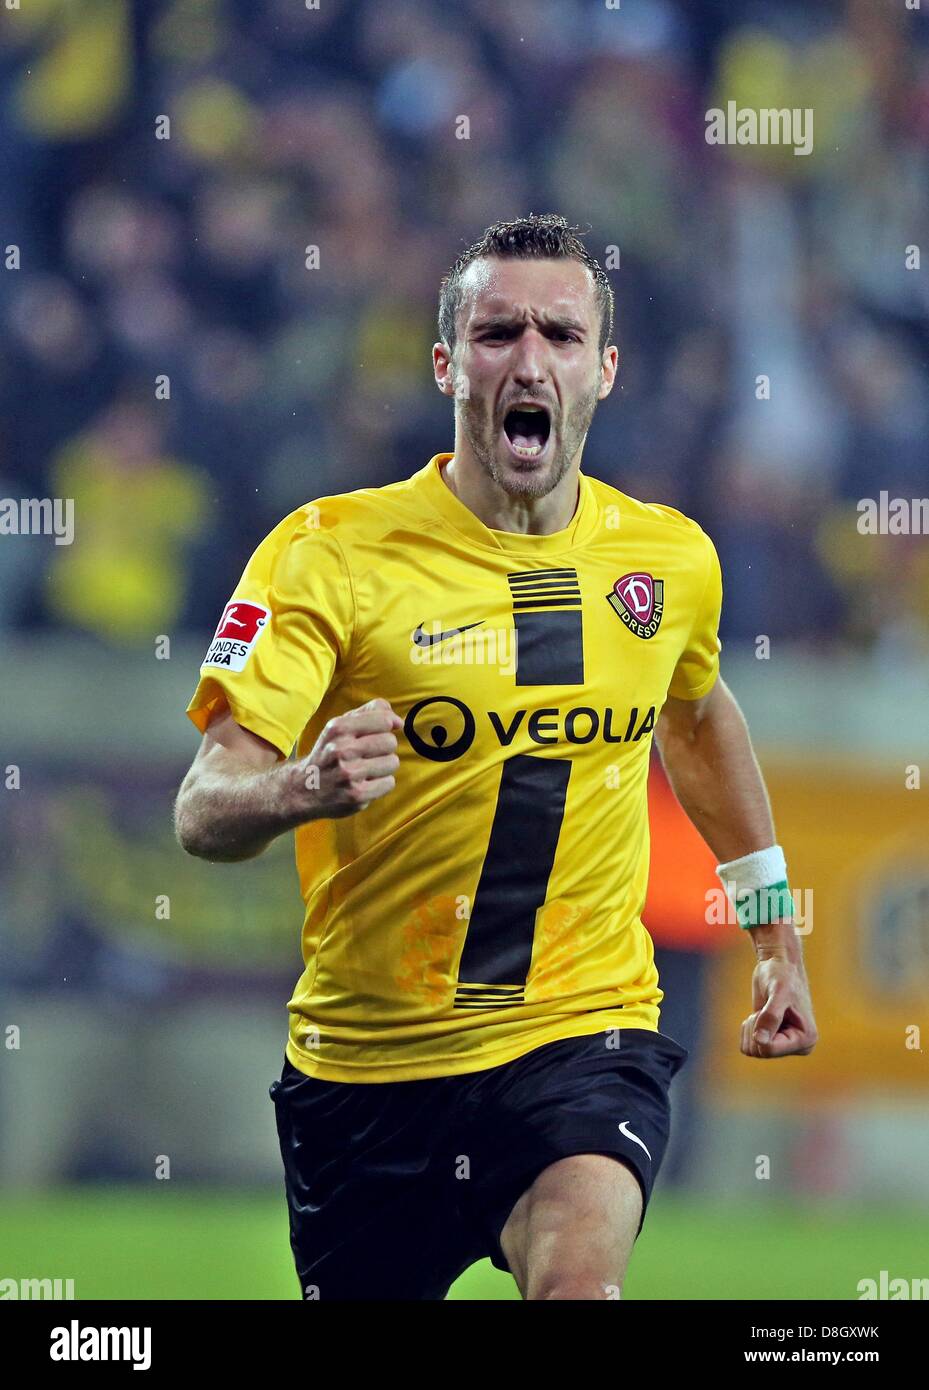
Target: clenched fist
point(353, 761)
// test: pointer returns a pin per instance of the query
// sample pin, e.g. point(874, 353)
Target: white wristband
point(758, 870)
point(756, 885)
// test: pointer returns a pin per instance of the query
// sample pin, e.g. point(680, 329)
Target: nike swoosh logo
point(624, 1129)
point(423, 639)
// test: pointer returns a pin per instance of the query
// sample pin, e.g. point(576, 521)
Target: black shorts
point(394, 1188)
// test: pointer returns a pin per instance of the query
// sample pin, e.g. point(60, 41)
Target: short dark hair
point(540, 236)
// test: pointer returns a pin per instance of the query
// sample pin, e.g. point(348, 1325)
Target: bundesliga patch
point(239, 629)
point(639, 601)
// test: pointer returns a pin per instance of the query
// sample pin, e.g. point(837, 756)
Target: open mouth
point(527, 429)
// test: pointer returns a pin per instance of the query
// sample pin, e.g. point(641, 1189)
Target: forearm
point(238, 796)
point(715, 776)
point(224, 816)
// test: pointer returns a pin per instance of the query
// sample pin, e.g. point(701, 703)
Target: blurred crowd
point(173, 357)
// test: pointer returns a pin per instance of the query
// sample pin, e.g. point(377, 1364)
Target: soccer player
point(469, 666)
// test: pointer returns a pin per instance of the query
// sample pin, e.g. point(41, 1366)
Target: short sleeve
point(281, 636)
point(698, 665)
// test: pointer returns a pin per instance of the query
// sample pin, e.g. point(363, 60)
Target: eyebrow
point(508, 321)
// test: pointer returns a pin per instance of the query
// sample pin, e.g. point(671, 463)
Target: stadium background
point(128, 1036)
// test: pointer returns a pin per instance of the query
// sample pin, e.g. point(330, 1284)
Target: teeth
point(520, 440)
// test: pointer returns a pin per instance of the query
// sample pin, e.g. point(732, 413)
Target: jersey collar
point(581, 526)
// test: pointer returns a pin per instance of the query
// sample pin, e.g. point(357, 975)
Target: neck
point(500, 511)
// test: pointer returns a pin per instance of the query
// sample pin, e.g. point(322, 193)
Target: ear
point(442, 368)
point(609, 365)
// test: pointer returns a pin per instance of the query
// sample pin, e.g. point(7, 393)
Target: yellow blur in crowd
point(134, 509)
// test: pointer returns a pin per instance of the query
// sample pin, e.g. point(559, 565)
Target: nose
point(530, 364)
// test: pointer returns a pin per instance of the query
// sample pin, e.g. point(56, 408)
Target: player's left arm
point(708, 756)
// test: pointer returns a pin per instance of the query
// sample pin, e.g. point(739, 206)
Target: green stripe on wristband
point(760, 906)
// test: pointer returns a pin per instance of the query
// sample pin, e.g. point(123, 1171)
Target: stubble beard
point(481, 433)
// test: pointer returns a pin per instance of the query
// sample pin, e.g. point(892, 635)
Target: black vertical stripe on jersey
point(549, 647)
point(514, 880)
point(549, 631)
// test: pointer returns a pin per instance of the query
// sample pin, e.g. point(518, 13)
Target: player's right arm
point(238, 795)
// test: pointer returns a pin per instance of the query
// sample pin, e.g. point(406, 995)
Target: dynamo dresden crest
point(639, 601)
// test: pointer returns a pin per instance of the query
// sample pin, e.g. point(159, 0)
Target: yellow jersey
point(491, 902)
